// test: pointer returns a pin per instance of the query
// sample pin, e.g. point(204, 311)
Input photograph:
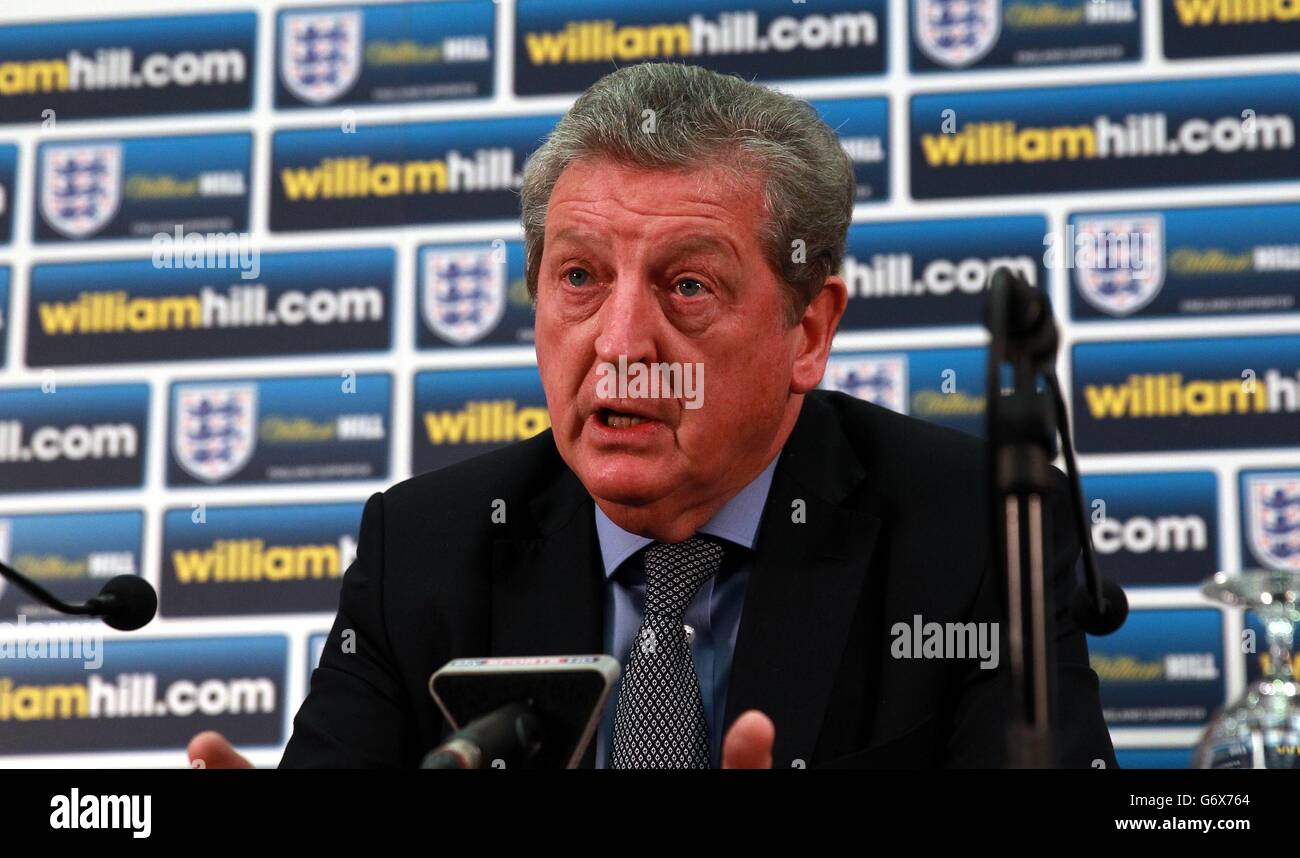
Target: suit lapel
point(547, 586)
point(806, 585)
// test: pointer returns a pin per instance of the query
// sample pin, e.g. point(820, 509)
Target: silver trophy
point(1261, 729)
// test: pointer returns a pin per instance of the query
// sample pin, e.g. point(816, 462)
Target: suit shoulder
point(909, 446)
point(515, 471)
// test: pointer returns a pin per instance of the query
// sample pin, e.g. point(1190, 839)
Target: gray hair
point(705, 118)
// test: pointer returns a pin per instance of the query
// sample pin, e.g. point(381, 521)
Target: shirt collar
point(737, 522)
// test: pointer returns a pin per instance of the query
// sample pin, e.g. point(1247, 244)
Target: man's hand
point(748, 744)
point(210, 750)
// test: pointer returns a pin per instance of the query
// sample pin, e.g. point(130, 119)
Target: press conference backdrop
point(262, 260)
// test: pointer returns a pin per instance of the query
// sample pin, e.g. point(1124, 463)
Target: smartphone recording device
point(567, 694)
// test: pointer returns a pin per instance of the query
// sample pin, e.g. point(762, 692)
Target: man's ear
point(817, 328)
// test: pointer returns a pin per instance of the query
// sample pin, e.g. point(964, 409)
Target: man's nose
point(629, 318)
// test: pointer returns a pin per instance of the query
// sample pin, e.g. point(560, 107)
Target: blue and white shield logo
point(1119, 264)
point(464, 292)
point(320, 54)
point(81, 187)
point(215, 429)
point(1273, 519)
point(956, 33)
point(878, 379)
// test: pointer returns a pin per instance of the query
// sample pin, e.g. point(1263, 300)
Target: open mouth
point(619, 419)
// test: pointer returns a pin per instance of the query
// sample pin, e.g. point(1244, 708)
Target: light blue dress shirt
point(713, 615)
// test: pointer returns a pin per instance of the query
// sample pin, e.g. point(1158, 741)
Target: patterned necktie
point(659, 722)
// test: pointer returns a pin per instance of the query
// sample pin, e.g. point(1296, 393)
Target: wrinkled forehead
point(606, 176)
point(691, 204)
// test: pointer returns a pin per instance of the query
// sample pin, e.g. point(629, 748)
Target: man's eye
point(689, 288)
point(578, 277)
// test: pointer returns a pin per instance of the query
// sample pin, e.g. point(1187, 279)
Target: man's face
point(664, 267)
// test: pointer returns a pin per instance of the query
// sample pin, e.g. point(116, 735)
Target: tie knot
point(674, 571)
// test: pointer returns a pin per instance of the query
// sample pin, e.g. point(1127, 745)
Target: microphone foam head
point(1093, 619)
point(132, 602)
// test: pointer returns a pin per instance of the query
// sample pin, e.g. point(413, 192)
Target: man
point(764, 543)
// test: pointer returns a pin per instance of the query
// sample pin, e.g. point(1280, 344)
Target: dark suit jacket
point(895, 527)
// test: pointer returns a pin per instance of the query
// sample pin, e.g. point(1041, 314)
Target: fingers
point(748, 744)
point(210, 750)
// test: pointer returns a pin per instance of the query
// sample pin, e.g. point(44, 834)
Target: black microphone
point(1100, 616)
point(125, 603)
point(511, 734)
point(1021, 308)
point(1019, 312)
point(1100, 606)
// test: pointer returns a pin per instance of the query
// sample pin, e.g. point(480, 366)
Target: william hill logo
point(487, 422)
point(358, 177)
point(240, 560)
point(1168, 394)
point(1172, 667)
point(1204, 13)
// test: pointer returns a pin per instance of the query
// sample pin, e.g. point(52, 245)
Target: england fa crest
point(214, 431)
point(464, 292)
point(320, 54)
point(1273, 520)
point(81, 187)
point(1119, 264)
point(881, 380)
point(956, 33)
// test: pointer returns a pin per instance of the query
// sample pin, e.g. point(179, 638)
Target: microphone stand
point(1021, 433)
